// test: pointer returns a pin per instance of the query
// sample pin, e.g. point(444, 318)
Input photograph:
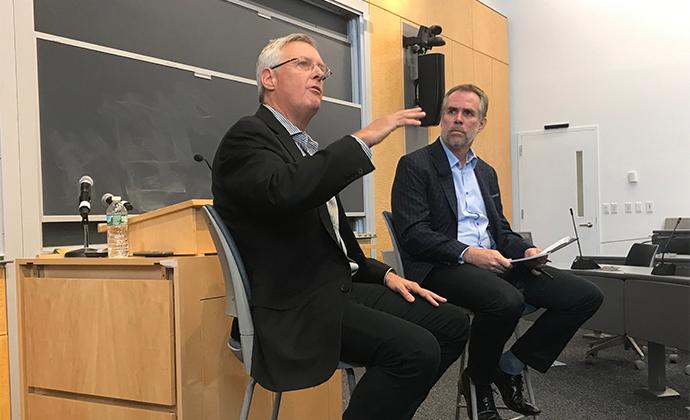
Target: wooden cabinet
point(4, 355)
point(140, 339)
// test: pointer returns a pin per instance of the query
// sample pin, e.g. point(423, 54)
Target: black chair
point(639, 255)
point(237, 295)
point(388, 218)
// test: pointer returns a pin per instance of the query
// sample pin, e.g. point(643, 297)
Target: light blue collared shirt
point(473, 223)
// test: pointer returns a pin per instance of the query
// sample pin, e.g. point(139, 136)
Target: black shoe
point(486, 408)
point(510, 388)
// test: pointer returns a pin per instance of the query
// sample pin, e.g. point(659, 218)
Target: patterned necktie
point(306, 143)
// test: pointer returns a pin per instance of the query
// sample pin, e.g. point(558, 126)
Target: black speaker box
point(432, 86)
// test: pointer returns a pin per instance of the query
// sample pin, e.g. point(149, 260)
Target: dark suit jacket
point(425, 212)
point(273, 201)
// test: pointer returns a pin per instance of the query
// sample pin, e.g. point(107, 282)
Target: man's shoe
point(486, 408)
point(510, 387)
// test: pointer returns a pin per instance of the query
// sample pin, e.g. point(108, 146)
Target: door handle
point(588, 224)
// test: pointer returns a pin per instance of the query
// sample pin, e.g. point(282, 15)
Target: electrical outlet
point(605, 208)
point(627, 206)
point(649, 206)
point(614, 207)
point(638, 207)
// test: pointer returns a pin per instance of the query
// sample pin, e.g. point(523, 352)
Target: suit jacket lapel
point(440, 161)
point(284, 139)
point(292, 150)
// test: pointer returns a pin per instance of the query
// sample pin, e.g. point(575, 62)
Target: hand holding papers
point(548, 250)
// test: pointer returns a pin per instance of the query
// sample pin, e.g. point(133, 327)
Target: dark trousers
point(498, 303)
point(405, 346)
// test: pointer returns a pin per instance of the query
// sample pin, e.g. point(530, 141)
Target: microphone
point(661, 268)
point(107, 199)
point(581, 263)
point(85, 184)
point(200, 158)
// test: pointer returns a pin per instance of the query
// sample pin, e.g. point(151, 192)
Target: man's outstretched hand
point(380, 128)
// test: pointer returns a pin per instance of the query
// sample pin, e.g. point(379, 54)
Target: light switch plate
point(649, 206)
point(614, 207)
point(605, 208)
point(638, 207)
point(627, 206)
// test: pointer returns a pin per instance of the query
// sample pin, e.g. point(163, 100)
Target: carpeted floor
point(604, 390)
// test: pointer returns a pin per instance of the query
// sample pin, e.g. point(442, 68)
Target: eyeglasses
point(306, 64)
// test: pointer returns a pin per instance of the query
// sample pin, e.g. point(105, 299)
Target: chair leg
point(276, 405)
point(351, 380)
point(602, 344)
point(248, 393)
point(473, 397)
point(632, 343)
point(458, 398)
point(530, 391)
point(464, 360)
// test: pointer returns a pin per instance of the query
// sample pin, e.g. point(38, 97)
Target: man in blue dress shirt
point(456, 241)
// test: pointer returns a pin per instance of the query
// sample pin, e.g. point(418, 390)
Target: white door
point(559, 170)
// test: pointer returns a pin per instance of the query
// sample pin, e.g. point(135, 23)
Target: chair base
point(665, 393)
point(607, 342)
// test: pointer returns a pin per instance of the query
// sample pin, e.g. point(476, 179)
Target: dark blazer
point(425, 212)
point(274, 202)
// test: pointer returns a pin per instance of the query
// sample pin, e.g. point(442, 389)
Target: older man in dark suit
point(456, 241)
point(316, 299)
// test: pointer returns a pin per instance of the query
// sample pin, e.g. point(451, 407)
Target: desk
point(138, 339)
point(648, 307)
point(682, 261)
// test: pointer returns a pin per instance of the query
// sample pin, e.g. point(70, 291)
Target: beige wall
point(476, 51)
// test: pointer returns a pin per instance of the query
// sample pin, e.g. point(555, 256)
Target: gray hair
point(270, 55)
point(483, 99)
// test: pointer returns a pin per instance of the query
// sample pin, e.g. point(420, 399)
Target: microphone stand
point(581, 263)
point(86, 251)
point(662, 268)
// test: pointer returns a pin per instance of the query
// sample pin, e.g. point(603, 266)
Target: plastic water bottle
point(116, 218)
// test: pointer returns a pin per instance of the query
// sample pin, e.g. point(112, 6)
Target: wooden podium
point(141, 338)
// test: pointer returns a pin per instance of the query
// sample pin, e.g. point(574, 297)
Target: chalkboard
point(134, 127)
point(211, 34)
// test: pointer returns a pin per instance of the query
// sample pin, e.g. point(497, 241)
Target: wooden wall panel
point(490, 32)
point(463, 64)
point(413, 10)
point(387, 97)
point(501, 141)
point(476, 52)
point(455, 16)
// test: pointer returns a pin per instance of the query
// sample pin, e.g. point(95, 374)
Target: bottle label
point(116, 219)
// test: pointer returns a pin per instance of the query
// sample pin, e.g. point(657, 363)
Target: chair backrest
point(641, 255)
point(237, 289)
point(388, 218)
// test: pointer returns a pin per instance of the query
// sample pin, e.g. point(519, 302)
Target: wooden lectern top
point(179, 228)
